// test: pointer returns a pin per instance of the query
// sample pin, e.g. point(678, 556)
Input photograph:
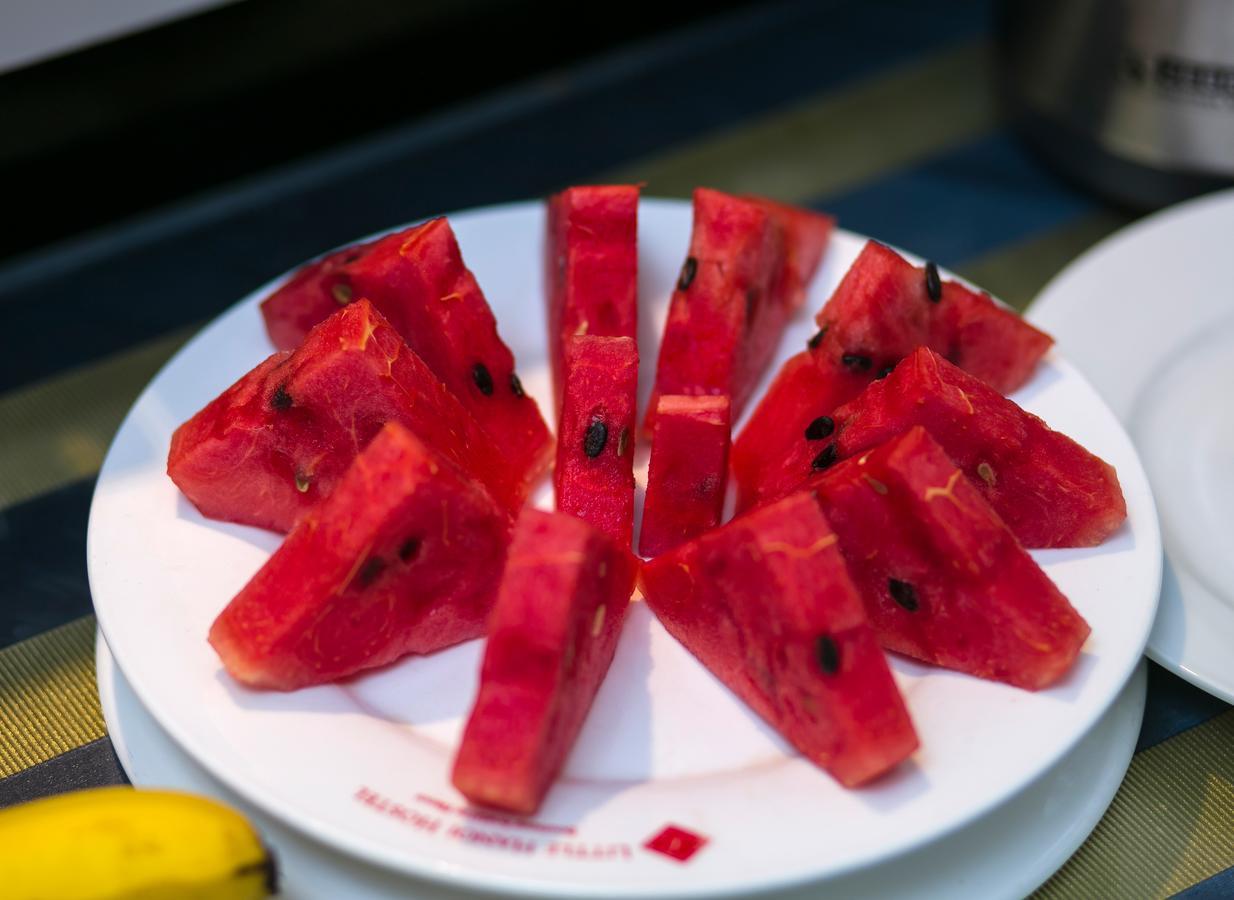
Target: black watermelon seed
point(483, 379)
point(857, 362)
point(813, 342)
point(281, 400)
point(828, 654)
point(820, 428)
point(409, 550)
point(934, 285)
point(342, 293)
point(373, 566)
point(688, 270)
point(595, 439)
point(825, 459)
point(884, 372)
point(516, 386)
point(903, 593)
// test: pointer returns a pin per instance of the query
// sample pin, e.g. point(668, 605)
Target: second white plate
point(1148, 314)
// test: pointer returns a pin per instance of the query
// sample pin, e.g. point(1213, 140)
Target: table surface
point(881, 114)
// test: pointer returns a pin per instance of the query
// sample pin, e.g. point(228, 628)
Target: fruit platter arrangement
point(820, 533)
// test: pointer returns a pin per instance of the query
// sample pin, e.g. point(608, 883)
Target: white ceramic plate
point(364, 765)
point(1148, 314)
point(1005, 854)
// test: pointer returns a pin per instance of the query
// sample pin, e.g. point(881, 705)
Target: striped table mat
point(882, 114)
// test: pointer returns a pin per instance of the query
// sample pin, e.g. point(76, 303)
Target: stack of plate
point(674, 788)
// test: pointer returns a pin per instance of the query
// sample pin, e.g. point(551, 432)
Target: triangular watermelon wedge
point(943, 578)
point(748, 263)
point(885, 308)
point(552, 635)
point(274, 444)
point(767, 605)
point(403, 557)
point(1049, 490)
point(882, 310)
point(417, 279)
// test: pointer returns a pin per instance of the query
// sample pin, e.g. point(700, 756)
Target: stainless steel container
point(1133, 97)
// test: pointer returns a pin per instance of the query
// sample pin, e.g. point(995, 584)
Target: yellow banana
point(121, 843)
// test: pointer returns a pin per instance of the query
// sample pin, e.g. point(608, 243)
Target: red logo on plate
point(677, 843)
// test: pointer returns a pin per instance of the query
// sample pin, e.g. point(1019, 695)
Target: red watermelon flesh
point(880, 312)
point(766, 603)
point(735, 257)
point(403, 557)
point(594, 477)
point(551, 637)
point(790, 428)
point(883, 309)
point(1049, 490)
point(988, 341)
point(591, 268)
point(688, 473)
point(269, 448)
point(312, 294)
point(943, 578)
point(417, 279)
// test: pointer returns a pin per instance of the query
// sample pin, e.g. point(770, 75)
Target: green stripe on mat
point(58, 430)
point(838, 139)
point(1017, 273)
point(1171, 825)
point(49, 702)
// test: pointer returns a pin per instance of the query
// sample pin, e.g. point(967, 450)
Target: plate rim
point(459, 874)
point(1050, 300)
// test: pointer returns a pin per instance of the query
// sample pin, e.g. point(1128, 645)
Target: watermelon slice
point(591, 268)
point(739, 285)
point(403, 557)
point(788, 432)
point(885, 308)
point(1049, 490)
point(767, 605)
point(688, 472)
point(417, 280)
point(943, 578)
point(552, 635)
point(594, 477)
point(270, 447)
point(882, 310)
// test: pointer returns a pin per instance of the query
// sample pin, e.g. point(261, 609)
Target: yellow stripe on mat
point(837, 139)
point(49, 701)
point(58, 430)
point(1171, 824)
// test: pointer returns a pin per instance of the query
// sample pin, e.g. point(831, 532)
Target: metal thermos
point(1134, 98)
